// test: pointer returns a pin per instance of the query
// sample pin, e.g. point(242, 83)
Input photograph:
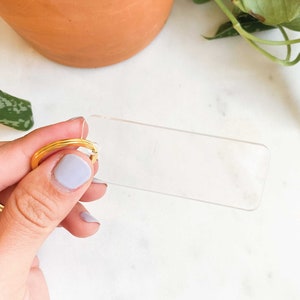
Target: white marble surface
point(157, 247)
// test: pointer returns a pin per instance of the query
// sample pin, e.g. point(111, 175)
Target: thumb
point(41, 200)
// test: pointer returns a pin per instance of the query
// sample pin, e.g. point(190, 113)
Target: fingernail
point(97, 180)
point(87, 217)
point(72, 171)
point(75, 118)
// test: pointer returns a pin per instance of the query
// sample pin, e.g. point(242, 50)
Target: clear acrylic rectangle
point(179, 163)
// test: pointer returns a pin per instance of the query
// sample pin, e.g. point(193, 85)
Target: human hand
point(37, 201)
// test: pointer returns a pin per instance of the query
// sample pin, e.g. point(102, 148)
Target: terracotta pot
point(87, 33)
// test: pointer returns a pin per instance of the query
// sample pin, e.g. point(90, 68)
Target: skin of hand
point(37, 201)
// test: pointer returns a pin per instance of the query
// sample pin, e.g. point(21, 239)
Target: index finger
point(15, 156)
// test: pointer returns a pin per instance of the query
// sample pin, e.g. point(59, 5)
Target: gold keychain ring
point(58, 145)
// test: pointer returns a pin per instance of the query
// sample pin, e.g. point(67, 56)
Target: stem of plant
point(254, 41)
point(237, 26)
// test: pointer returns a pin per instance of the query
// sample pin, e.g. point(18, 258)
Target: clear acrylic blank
point(179, 163)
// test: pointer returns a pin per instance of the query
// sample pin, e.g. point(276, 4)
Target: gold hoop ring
point(58, 145)
point(1, 207)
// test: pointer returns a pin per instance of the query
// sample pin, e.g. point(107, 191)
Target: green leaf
point(15, 112)
point(271, 12)
point(248, 22)
point(200, 1)
point(293, 25)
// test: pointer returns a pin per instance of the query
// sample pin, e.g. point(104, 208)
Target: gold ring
point(1, 207)
point(58, 145)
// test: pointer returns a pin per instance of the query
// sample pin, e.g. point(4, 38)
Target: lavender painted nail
point(72, 171)
point(87, 217)
point(97, 180)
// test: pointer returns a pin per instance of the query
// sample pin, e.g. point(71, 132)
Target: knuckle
point(35, 207)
